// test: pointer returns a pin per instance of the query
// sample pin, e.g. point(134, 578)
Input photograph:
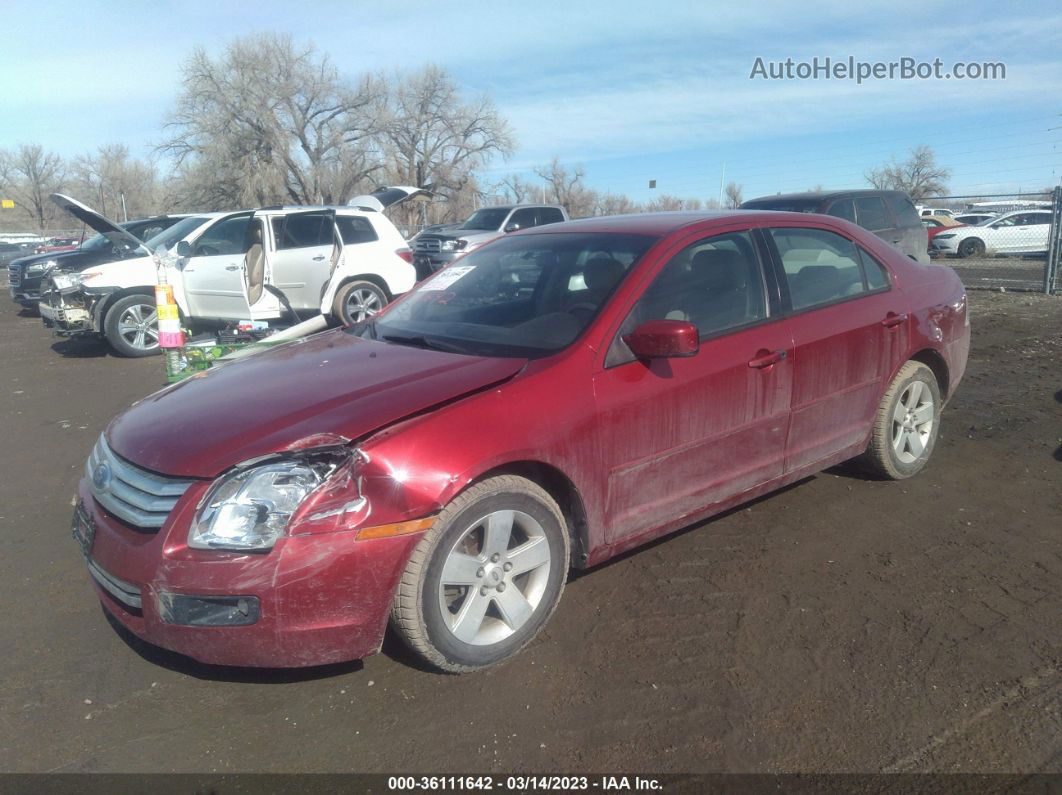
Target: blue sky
point(632, 91)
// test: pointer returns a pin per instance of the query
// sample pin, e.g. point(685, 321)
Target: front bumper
point(69, 314)
point(319, 598)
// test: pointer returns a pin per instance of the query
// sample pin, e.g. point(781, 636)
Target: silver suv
point(434, 249)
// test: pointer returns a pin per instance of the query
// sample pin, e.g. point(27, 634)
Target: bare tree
point(28, 176)
point(733, 196)
point(615, 204)
point(566, 188)
point(516, 189)
point(918, 176)
point(115, 183)
point(668, 203)
point(275, 122)
point(433, 138)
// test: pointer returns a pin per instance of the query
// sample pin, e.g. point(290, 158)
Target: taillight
point(406, 254)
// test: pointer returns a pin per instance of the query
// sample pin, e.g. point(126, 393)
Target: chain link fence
point(1007, 241)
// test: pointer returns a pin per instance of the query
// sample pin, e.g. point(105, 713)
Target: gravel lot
point(840, 625)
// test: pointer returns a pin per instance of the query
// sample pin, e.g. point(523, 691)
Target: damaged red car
point(554, 398)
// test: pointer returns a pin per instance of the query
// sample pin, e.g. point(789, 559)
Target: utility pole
point(722, 178)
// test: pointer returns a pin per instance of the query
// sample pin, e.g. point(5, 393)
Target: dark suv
point(26, 274)
point(889, 214)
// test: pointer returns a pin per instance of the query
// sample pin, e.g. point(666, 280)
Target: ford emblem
point(101, 476)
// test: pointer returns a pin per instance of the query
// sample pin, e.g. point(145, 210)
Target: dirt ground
point(840, 625)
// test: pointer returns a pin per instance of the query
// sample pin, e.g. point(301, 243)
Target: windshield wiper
point(424, 342)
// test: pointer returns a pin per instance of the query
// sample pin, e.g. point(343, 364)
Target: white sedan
point(1019, 232)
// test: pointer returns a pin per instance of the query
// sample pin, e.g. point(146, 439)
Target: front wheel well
point(560, 487)
point(935, 362)
point(108, 301)
point(362, 277)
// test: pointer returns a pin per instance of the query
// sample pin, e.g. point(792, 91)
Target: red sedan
point(548, 401)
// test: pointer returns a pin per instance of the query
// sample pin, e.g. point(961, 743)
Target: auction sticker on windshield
point(447, 276)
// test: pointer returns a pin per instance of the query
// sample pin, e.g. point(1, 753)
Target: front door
point(849, 331)
point(682, 434)
point(213, 276)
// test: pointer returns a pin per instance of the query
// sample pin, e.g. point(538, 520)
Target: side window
point(843, 208)
point(228, 236)
point(524, 218)
point(820, 267)
point(302, 230)
point(549, 215)
point(871, 213)
point(876, 275)
point(355, 229)
point(715, 284)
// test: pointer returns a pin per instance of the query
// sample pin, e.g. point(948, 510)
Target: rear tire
point(905, 426)
point(132, 326)
point(358, 300)
point(485, 578)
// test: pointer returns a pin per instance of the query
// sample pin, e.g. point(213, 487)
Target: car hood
point(330, 383)
point(471, 235)
point(98, 223)
point(63, 259)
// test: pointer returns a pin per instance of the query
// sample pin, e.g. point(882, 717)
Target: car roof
point(822, 195)
point(664, 223)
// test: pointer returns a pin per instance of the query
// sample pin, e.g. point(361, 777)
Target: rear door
point(874, 216)
point(849, 331)
point(682, 434)
point(304, 254)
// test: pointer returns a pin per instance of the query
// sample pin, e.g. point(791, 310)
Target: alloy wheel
point(494, 577)
point(912, 422)
point(363, 303)
point(138, 325)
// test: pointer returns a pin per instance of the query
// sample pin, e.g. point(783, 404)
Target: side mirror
point(512, 227)
point(662, 339)
point(184, 248)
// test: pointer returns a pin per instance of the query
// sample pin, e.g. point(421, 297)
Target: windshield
point(96, 242)
point(530, 295)
point(487, 218)
point(180, 230)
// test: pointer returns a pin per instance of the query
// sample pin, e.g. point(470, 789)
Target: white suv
point(281, 264)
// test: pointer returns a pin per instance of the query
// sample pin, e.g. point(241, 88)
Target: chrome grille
point(141, 498)
point(428, 245)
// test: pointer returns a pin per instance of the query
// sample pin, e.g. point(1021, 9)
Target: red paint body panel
point(648, 447)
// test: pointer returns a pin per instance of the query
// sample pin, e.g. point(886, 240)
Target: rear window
point(903, 209)
point(871, 213)
point(302, 230)
point(356, 229)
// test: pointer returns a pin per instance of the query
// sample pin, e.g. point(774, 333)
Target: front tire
point(485, 578)
point(358, 300)
point(972, 247)
point(906, 424)
point(132, 326)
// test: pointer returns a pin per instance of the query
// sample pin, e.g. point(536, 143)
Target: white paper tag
point(446, 277)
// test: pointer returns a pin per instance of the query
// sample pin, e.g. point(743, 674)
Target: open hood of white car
point(382, 198)
point(99, 223)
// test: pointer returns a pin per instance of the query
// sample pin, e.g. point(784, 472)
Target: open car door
point(257, 273)
point(292, 273)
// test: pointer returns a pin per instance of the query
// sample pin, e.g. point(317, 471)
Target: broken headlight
point(66, 281)
point(249, 509)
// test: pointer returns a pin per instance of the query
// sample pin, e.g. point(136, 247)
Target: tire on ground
point(882, 457)
point(417, 610)
point(110, 326)
point(341, 303)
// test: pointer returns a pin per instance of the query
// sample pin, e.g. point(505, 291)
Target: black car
point(26, 274)
point(889, 214)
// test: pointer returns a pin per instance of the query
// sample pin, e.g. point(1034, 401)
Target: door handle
point(892, 320)
point(232, 267)
point(766, 358)
point(319, 258)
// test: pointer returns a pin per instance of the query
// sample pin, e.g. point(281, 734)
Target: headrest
point(601, 273)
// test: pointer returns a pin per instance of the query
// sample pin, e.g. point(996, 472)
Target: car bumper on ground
point(311, 600)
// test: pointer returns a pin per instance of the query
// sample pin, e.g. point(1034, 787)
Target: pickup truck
point(434, 250)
